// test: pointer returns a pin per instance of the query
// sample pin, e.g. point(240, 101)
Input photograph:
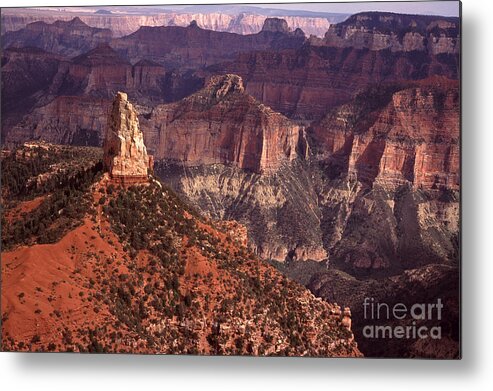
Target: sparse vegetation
point(63, 175)
point(171, 282)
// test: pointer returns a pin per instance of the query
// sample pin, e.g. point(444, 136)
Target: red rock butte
point(125, 154)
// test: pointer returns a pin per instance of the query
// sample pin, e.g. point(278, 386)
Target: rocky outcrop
point(221, 124)
point(276, 25)
point(125, 155)
point(99, 71)
point(68, 38)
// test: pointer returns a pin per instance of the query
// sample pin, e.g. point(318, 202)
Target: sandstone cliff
point(365, 49)
point(41, 90)
point(222, 124)
point(102, 72)
point(396, 137)
point(276, 25)
point(307, 82)
point(125, 154)
point(392, 157)
point(378, 188)
point(65, 120)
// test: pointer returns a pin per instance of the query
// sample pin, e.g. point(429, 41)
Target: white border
point(111, 372)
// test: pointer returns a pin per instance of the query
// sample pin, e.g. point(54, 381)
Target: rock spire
point(125, 154)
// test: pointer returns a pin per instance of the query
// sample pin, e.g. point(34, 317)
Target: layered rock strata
point(366, 49)
point(412, 138)
point(375, 191)
point(396, 32)
point(222, 124)
point(125, 155)
point(121, 25)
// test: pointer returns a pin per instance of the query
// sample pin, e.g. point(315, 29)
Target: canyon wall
point(412, 138)
point(375, 176)
point(397, 32)
point(366, 49)
point(26, 72)
point(38, 85)
point(174, 47)
point(378, 189)
point(222, 124)
point(121, 25)
point(71, 120)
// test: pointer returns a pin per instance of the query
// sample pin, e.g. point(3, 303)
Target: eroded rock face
point(378, 188)
point(125, 154)
point(398, 33)
point(365, 49)
point(308, 82)
point(102, 72)
point(279, 210)
point(47, 95)
point(222, 124)
point(73, 120)
point(413, 139)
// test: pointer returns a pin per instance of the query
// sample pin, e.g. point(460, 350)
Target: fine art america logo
point(410, 320)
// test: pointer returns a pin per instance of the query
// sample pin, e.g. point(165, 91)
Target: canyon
point(365, 49)
point(229, 127)
point(121, 25)
point(166, 281)
point(337, 155)
point(372, 200)
point(192, 47)
point(368, 158)
point(68, 38)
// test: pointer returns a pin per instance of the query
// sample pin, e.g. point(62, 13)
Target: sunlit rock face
point(125, 154)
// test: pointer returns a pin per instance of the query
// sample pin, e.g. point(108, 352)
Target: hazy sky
point(445, 8)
